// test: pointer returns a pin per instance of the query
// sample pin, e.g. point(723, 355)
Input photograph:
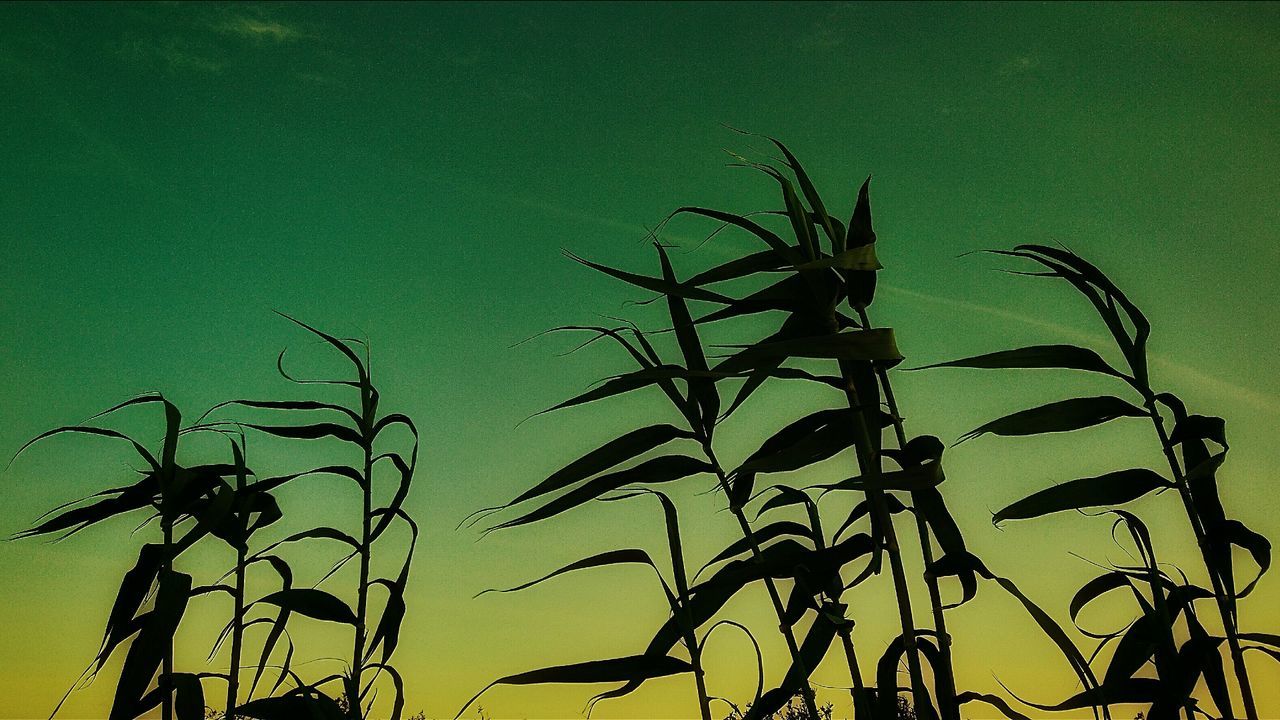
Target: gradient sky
point(171, 173)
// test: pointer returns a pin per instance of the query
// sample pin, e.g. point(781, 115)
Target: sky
point(410, 174)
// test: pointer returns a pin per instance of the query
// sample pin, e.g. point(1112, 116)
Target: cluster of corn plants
point(1194, 447)
point(229, 502)
point(822, 281)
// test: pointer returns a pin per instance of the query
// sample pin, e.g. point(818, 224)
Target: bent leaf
point(624, 669)
point(313, 603)
point(1067, 357)
point(1061, 416)
point(1114, 488)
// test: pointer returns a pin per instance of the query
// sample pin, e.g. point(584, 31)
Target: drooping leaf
point(770, 238)
point(1258, 546)
point(150, 646)
point(313, 603)
point(994, 701)
point(1062, 416)
point(760, 537)
point(1114, 488)
point(1036, 356)
point(1096, 588)
point(604, 559)
point(658, 285)
point(315, 431)
point(634, 667)
point(657, 470)
point(611, 454)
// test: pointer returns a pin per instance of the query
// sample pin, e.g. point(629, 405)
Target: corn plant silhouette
point(195, 497)
point(1193, 469)
point(683, 612)
point(814, 287)
point(253, 509)
point(698, 409)
point(361, 425)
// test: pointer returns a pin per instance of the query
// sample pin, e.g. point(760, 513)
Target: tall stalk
point(1194, 477)
point(945, 672)
point(676, 547)
point(882, 522)
point(366, 541)
point(175, 494)
point(361, 426)
point(775, 598)
point(241, 520)
point(698, 408)
point(1222, 597)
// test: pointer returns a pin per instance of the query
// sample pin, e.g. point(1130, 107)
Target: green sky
point(170, 173)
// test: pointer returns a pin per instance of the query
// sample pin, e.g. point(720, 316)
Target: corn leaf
point(657, 470)
point(1067, 357)
point(877, 344)
point(1114, 488)
point(611, 454)
point(632, 668)
point(1062, 416)
point(313, 603)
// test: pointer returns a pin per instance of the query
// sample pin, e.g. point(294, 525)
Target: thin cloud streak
point(259, 29)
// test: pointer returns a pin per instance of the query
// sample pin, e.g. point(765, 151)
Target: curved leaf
point(611, 557)
point(1062, 416)
point(1114, 488)
point(623, 669)
point(994, 701)
point(1068, 357)
point(656, 470)
point(313, 603)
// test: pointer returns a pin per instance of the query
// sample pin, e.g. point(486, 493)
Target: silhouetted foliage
point(823, 281)
point(1194, 450)
point(194, 502)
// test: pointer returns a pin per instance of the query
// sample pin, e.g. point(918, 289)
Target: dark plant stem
point(1219, 591)
point(950, 710)
point(1166, 653)
point(166, 670)
point(690, 636)
point(368, 423)
point(237, 639)
point(237, 620)
point(882, 520)
point(362, 603)
point(859, 690)
point(775, 597)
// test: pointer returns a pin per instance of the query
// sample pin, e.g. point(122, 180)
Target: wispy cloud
point(257, 28)
point(1020, 66)
point(202, 39)
point(173, 53)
